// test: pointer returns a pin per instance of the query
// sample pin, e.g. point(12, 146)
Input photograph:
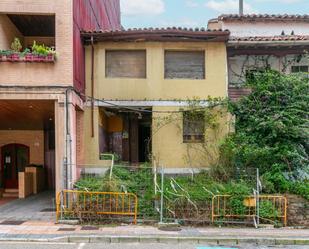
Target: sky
point(196, 13)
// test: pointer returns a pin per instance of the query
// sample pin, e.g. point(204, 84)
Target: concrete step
point(10, 193)
point(10, 190)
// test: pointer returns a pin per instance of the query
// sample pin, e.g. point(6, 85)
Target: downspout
point(92, 87)
point(68, 152)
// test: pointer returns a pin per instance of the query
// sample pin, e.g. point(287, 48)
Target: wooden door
point(14, 159)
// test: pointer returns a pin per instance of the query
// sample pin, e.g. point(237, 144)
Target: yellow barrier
point(81, 204)
point(221, 207)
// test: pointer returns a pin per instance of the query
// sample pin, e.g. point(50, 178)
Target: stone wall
point(298, 211)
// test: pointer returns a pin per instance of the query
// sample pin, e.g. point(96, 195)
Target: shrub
point(272, 130)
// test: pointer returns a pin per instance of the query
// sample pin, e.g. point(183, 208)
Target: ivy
point(272, 131)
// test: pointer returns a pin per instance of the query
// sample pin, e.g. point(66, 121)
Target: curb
point(166, 240)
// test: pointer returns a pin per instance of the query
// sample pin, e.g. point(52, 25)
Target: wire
point(151, 111)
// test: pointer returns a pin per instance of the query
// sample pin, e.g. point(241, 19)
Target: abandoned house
point(135, 78)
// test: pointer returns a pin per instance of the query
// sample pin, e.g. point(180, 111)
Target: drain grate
point(63, 229)
point(48, 210)
point(89, 228)
point(12, 222)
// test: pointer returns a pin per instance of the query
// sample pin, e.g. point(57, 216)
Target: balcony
point(32, 53)
point(27, 38)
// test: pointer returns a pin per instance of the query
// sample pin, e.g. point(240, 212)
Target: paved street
point(16, 245)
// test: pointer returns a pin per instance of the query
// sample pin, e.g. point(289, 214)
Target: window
point(193, 127)
point(184, 65)
point(299, 69)
point(125, 64)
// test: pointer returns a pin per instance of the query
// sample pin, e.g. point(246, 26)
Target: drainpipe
point(92, 87)
point(68, 142)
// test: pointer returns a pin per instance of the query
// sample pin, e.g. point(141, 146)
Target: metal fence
point(227, 208)
point(161, 198)
point(92, 206)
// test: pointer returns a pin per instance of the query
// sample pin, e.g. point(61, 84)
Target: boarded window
point(125, 64)
point(184, 65)
point(193, 127)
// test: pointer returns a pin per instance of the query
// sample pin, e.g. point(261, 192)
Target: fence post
point(257, 198)
point(162, 193)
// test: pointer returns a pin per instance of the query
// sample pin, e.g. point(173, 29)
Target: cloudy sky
point(195, 13)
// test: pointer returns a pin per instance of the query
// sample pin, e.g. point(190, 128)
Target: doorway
point(144, 145)
point(14, 159)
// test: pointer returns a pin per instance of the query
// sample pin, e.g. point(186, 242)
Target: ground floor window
point(193, 127)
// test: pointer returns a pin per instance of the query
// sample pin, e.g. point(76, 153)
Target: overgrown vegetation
point(272, 133)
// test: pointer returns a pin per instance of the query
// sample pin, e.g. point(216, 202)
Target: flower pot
point(42, 58)
point(50, 58)
point(29, 57)
point(35, 58)
point(13, 57)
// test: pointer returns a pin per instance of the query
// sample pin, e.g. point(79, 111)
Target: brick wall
point(33, 139)
point(58, 73)
point(8, 32)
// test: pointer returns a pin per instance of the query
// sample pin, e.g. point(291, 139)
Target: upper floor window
point(125, 64)
point(193, 127)
point(184, 65)
point(299, 69)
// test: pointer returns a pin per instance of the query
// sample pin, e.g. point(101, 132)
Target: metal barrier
point(92, 205)
point(223, 206)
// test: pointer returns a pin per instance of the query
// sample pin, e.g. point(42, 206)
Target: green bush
point(272, 130)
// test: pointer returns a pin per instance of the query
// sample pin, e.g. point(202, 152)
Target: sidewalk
point(48, 231)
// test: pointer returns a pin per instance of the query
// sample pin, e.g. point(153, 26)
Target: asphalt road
point(23, 245)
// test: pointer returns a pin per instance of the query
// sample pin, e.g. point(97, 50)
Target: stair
point(10, 193)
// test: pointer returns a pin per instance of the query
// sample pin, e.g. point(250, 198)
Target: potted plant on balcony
point(16, 48)
point(27, 55)
point(4, 54)
point(42, 53)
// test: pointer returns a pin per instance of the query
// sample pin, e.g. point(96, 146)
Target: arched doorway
point(14, 159)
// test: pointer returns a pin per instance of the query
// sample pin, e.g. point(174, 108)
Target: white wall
point(237, 65)
point(265, 28)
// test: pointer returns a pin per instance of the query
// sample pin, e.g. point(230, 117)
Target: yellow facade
point(155, 87)
point(168, 148)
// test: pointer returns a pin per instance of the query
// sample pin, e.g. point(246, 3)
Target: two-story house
point(280, 42)
point(42, 85)
point(137, 79)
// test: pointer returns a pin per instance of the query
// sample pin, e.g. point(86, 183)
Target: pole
point(257, 198)
point(162, 193)
point(241, 7)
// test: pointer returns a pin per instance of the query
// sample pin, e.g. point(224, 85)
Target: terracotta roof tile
point(264, 17)
point(272, 38)
point(141, 30)
point(157, 34)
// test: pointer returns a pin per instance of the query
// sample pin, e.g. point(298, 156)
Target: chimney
point(241, 7)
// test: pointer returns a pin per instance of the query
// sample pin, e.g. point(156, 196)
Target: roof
point(278, 38)
point(156, 34)
point(262, 17)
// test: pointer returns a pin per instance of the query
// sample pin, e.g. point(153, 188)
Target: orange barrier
point(81, 204)
point(222, 207)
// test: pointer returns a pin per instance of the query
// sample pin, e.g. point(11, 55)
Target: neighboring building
point(41, 103)
point(280, 42)
point(137, 77)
